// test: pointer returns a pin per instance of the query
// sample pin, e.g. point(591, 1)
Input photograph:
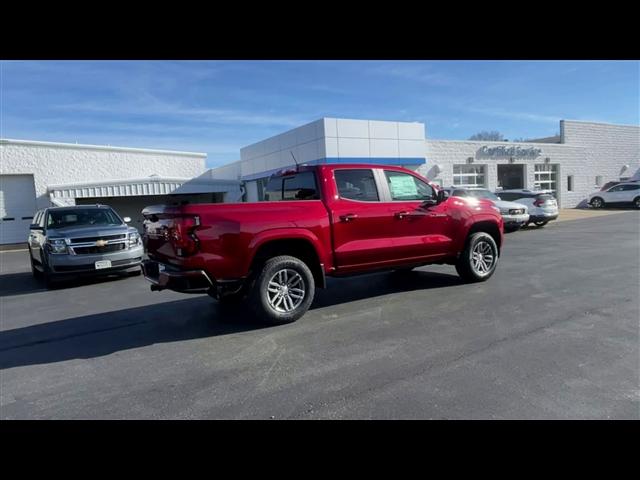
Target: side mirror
point(442, 195)
point(127, 219)
point(35, 226)
point(499, 198)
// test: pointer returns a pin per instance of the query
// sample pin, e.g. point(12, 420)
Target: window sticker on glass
point(403, 186)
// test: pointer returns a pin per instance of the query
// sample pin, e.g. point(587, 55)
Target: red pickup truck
point(317, 221)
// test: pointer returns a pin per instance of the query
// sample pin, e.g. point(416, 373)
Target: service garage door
point(17, 206)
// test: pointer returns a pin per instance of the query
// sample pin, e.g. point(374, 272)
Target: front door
point(510, 176)
point(420, 232)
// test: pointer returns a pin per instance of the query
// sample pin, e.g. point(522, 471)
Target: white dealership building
point(35, 174)
point(573, 164)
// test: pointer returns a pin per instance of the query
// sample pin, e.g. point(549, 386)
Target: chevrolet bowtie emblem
point(101, 243)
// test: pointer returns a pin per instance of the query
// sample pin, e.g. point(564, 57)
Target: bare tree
point(492, 136)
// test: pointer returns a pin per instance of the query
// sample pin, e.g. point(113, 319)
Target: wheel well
point(598, 197)
point(489, 227)
point(299, 248)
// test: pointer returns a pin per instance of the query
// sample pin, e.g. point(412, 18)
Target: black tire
point(465, 265)
point(260, 298)
point(597, 202)
point(47, 276)
point(541, 223)
point(37, 274)
point(636, 203)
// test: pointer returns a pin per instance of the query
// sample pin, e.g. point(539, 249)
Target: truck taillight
point(182, 235)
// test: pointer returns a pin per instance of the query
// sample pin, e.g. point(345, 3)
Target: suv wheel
point(283, 290)
point(541, 223)
point(636, 203)
point(37, 274)
point(479, 259)
point(597, 202)
point(46, 275)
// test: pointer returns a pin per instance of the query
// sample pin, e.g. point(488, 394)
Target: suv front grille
point(115, 247)
point(95, 239)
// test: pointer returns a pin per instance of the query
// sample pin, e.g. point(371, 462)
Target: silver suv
point(80, 240)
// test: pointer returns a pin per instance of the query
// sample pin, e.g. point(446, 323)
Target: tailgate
point(167, 232)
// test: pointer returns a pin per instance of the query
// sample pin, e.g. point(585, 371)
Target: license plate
point(103, 264)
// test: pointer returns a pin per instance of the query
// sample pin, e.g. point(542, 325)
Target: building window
point(469, 176)
point(546, 177)
point(598, 180)
point(570, 183)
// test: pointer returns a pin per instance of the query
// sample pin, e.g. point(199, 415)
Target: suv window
point(300, 186)
point(358, 184)
point(631, 187)
point(407, 187)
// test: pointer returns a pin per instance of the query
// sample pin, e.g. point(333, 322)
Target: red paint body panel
point(377, 234)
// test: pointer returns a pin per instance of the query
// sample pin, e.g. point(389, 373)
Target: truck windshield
point(82, 216)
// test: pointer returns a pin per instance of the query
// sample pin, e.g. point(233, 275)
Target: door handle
point(400, 215)
point(348, 217)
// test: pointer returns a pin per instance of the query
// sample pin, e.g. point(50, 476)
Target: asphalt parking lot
point(553, 335)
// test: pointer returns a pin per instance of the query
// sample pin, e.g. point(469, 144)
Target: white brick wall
point(53, 163)
point(590, 149)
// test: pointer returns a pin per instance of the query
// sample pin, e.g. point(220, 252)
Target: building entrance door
point(510, 176)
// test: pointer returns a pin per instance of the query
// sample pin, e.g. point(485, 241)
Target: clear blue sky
point(218, 107)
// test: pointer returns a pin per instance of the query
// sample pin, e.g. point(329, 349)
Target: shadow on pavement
point(101, 334)
point(23, 283)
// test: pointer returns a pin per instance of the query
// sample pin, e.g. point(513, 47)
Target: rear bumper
point(167, 277)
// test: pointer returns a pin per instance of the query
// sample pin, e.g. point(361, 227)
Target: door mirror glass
point(127, 219)
point(442, 196)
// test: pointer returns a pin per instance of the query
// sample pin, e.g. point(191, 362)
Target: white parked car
point(514, 214)
point(542, 205)
point(624, 193)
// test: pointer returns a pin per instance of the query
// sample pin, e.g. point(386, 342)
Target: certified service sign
point(509, 151)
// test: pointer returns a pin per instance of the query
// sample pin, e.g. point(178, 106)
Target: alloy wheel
point(482, 258)
point(286, 290)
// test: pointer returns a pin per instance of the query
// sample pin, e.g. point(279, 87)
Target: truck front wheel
point(283, 290)
point(479, 259)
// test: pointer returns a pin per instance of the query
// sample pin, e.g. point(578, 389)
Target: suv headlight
point(57, 245)
point(134, 239)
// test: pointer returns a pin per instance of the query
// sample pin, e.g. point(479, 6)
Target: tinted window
point(81, 217)
point(618, 188)
point(301, 186)
point(631, 187)
point(357, 185)
point(407, 187)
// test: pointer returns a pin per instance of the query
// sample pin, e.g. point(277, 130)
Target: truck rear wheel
point(478, 260)
point(283, 290)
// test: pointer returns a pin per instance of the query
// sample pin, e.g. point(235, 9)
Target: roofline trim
point(37, 143)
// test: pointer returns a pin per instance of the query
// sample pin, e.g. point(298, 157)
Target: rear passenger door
point(362, 225)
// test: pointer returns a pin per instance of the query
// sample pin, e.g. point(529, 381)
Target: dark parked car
point(81, 240)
